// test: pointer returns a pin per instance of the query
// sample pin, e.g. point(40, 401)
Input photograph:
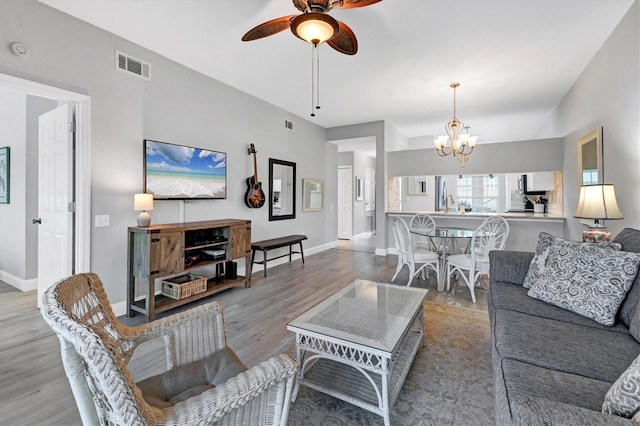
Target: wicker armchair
point(96, 349)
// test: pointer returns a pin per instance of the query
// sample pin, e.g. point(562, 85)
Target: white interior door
point(55, 189)
point(345, 203)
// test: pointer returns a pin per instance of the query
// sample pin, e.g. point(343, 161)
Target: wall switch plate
point(102, 220)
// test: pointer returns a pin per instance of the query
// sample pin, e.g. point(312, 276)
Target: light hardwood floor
point(35, 391)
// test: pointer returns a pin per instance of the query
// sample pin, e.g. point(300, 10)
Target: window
point(589, 177)
point(480, 193)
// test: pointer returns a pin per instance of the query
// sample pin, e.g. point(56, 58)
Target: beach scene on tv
point(176, 171)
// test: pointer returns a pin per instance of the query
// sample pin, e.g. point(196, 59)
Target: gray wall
point(178, 105)
point(607, 94)
point(18, 236)
point(513, 157)
point(13, 241)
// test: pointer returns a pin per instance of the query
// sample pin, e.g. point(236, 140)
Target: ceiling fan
point(314, 25)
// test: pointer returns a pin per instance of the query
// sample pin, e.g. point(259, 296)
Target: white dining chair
point(410, 255)
point(426, 223)
point(491, 235)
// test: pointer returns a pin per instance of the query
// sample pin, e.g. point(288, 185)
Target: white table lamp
point(142, 203)
point(597, 202)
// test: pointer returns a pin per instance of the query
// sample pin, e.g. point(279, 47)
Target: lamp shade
point(314, 28)
point(143, 202)
point(597, 202)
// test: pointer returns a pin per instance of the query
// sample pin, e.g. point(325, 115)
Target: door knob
point(36, 221)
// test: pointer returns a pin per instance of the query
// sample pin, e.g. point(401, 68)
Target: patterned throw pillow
point(623, 398)
point(634, 327)
point(539, 262)
point(586, 279)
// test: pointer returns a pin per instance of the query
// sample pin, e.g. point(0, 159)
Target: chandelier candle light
point(455, 142)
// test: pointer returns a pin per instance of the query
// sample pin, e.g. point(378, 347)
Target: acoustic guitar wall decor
point(254, 197)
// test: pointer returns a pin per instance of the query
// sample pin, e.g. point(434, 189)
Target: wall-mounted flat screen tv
point(181, 172)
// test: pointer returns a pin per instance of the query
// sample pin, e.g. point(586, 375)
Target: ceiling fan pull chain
point(317, 77)
point(313, 80)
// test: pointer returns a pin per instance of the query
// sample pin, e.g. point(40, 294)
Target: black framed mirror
point(282, 189)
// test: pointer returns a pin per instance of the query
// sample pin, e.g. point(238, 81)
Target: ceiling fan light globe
point(314, 28)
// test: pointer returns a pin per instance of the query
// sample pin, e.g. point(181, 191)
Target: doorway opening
point(81, 185)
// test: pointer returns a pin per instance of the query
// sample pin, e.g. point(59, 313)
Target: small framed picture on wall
point(4, 175)
point(359, 189)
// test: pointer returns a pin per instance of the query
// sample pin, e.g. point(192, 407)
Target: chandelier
point(456, 142)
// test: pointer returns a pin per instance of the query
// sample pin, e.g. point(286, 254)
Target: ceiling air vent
point(129, 64)
point(290, 125)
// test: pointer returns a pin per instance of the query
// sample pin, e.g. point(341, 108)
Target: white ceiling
point(515, 59)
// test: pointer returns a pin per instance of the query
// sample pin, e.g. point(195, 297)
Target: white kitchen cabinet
point(541, 181)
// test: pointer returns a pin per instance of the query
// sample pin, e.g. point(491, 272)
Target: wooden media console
point(169, 249)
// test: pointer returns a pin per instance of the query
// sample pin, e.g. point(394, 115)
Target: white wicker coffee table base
point(361, 376)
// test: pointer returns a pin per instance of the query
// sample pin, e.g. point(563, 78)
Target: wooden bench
point(274, 243)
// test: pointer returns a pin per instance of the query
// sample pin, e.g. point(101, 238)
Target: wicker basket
point(183, 286)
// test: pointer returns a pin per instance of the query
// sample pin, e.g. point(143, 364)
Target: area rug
point(449, 382)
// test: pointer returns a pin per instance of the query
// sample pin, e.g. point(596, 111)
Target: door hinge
point(72, 207)
point(72, 126)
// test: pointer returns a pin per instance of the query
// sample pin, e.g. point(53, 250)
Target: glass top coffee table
point(358, 344)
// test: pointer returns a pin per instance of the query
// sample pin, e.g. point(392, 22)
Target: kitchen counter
point(524, 228)
point(529, 216)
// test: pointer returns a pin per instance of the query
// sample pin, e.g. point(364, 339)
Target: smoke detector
point(21, 50)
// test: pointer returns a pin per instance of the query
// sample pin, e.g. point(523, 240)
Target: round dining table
point(448, 236)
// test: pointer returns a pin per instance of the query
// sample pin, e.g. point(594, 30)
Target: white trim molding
point(19, 283)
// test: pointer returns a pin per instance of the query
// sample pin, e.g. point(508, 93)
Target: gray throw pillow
point(539, 262)
point(586, 279)
point(623, 398)
point(634, 327)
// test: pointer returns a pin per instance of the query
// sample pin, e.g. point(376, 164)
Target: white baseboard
point(383, 252)
point(120, 308)
point(19, 283)
point(363, 235)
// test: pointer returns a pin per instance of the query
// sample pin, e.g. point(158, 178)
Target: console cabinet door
point(167, 253)
point(241, 241)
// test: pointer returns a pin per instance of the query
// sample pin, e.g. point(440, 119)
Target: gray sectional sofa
point(552, 366)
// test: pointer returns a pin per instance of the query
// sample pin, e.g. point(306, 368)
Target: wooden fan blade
point(345, 41)
point(352, 4)
point(268, 28)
